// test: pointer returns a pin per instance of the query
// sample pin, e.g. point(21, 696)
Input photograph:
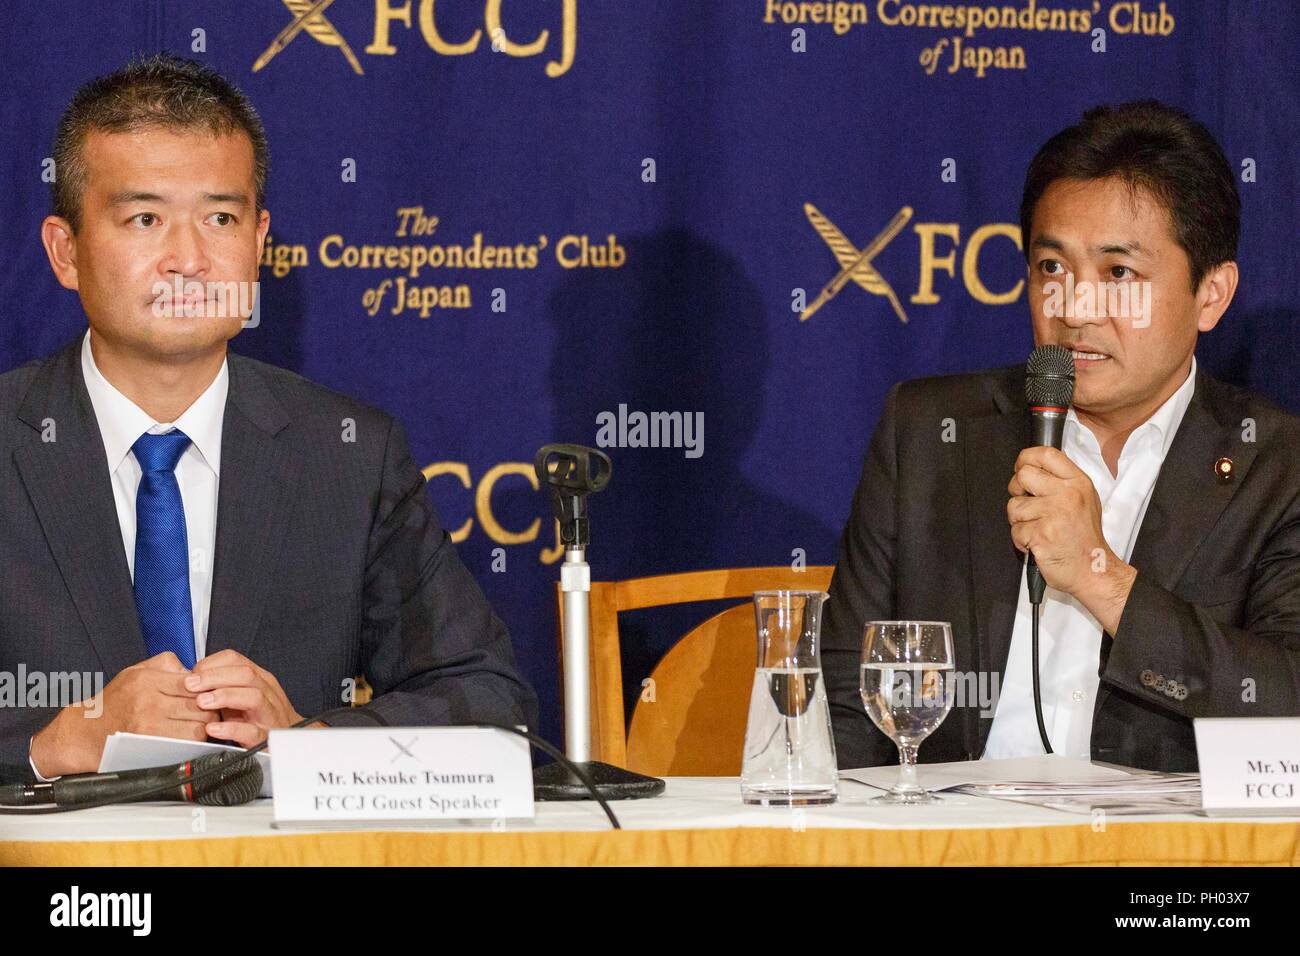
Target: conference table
point(696, 822)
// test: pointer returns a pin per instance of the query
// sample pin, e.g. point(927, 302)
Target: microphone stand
point(572, 472)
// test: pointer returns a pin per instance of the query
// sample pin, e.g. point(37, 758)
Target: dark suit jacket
point(1215, 607)
point(329, 560)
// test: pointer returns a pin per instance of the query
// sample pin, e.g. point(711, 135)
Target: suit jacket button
point(1182, 693)
point(1160, 683)
point(1148, 678)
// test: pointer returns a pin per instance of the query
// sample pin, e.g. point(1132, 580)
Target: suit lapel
point(993, 443)
point(71, 491)
point(1187, 499)
point(254, 508)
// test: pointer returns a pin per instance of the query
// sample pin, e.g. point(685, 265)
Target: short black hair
point(1158, 149)
point(158, 91)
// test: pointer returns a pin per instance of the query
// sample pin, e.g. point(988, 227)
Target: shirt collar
point(122, 421)
point(1164, 421)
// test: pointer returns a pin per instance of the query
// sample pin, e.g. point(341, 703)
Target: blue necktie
point(162, 563)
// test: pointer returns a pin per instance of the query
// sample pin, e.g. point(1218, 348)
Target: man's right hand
point(145, 698)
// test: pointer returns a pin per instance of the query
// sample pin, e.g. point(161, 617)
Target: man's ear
point(263, 227)
point(1215, 295)
point(61, 249)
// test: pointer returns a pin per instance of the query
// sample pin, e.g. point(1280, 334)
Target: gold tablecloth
point(1124, 844)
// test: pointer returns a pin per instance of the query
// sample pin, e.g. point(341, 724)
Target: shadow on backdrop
point(679, 327)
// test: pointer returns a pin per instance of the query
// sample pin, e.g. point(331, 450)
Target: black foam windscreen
point(237, 784)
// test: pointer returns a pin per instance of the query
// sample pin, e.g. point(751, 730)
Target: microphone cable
point(1037, 587)
point(1038, 694)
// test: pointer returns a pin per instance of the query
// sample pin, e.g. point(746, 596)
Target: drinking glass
point(907, 689)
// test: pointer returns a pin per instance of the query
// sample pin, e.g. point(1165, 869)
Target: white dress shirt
point(1069, 637)
point(121, 422)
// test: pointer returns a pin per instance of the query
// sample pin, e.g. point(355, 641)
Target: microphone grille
point(1049, 376)
point(238, 783)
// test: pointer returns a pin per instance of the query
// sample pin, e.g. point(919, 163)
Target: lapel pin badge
point(1223, 469)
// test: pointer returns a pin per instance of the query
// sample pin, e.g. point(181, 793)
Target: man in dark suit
point(1168, 525)
point(225, 544)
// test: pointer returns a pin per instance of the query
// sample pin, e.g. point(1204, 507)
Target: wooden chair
point(690, 718)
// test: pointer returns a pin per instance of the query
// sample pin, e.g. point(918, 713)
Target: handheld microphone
point(1049, 390)
point(238, 783)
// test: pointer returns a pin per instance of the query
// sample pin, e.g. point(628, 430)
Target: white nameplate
point(343, 774)
point(1249, 764)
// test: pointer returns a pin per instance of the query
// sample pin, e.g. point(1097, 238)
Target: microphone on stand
point(1049, 390)
point(572, 472)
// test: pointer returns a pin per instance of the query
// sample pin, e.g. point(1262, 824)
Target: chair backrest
point(690, 718)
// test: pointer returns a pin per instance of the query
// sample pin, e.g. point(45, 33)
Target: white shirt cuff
point(41, 778)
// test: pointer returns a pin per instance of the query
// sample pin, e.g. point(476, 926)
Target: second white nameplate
point(1249, 765)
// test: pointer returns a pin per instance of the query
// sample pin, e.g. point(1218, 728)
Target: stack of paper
point(1137, 793)
point(1061, 783)
point(1139, 782)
